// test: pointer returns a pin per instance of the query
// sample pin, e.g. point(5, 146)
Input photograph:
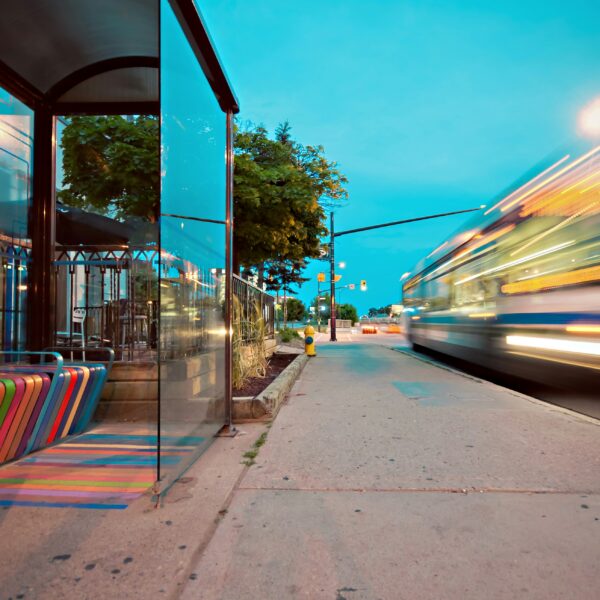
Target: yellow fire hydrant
point(309, 340)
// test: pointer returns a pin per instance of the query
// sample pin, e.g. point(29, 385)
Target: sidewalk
point(388, 477)
point(141, 552)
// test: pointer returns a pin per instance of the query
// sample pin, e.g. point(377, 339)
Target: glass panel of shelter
point(192, 290)
point(106, 261)
point(16, 171)
point(116, 286)
point(106, 273)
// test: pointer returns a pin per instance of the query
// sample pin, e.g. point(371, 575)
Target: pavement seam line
point(464, 491)
point(548, 405)
point(196, 556)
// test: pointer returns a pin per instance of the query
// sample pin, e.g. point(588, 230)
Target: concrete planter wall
point(131, 392)
point(266, 404)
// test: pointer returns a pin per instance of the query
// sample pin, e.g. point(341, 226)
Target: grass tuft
point(253, 453)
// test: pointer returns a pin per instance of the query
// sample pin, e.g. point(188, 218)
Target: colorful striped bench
point(43, 403)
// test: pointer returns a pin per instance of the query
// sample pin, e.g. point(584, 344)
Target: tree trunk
point(236, 267)
point(261, 275)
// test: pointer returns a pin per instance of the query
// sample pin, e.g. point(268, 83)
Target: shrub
point(288, 334)
point(249, 354)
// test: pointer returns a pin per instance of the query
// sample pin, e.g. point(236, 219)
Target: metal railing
point(107, 297)
point(110, 297)
point(253, 300)
point(15, 260)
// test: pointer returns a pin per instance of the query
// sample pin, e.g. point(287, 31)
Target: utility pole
point(318, 307)
point(333, 235)
point(332, 336)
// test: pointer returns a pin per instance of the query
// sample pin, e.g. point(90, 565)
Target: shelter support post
point(41, 297)
point(229, 277)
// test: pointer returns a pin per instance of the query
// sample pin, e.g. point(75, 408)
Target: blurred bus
point(518, 290)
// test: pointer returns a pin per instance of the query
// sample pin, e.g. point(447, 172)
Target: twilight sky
point(427, 106)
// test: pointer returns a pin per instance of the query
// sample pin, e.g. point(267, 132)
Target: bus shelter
point(154, 288)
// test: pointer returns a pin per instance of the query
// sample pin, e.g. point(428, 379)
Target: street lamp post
point(333, 235)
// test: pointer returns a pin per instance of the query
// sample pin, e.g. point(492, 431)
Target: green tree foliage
point(343, 311)
point(296, 310)
point(382, 310)
point(280, 275)
point(347, 311)
point(111, 166)
point(280, 188)
point(287, 335)
point(324, 306)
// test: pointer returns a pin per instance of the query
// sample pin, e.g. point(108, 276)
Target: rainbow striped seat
point(43, 403)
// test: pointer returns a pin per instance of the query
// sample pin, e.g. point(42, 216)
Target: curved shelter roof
point(90, 55)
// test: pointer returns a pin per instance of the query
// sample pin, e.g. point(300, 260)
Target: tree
point(327, 180)
point(283, 135)
point(111, 166)
point(278, 187)
point(295, 309)
point(343, 311)
point(322, 307)
point(348, 312)
point(281, 274)
point(382, 310)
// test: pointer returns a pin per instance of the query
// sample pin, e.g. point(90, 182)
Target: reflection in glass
point(106, 262)
point(107, 234)
point(192, 332)
point(16, 169)
point(192, 338)
point(192, 128)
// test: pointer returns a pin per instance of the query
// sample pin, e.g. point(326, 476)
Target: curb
point(266, 405)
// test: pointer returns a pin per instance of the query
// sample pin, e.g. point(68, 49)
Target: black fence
point(15, 261)
point(125, 298)
point(253, 302)
point(107, 297)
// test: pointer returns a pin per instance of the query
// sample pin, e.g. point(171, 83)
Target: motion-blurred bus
point(519, 289)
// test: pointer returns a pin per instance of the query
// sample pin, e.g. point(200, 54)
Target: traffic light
point(363, 285)
point(321, 277)
point(337, 278)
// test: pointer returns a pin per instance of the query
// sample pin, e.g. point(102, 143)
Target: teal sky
point(427, 106)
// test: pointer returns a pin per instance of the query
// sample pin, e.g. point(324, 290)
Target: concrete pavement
point(388, 477)
point(143, 552)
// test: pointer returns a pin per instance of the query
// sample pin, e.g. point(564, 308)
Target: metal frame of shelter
point(25, 75)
